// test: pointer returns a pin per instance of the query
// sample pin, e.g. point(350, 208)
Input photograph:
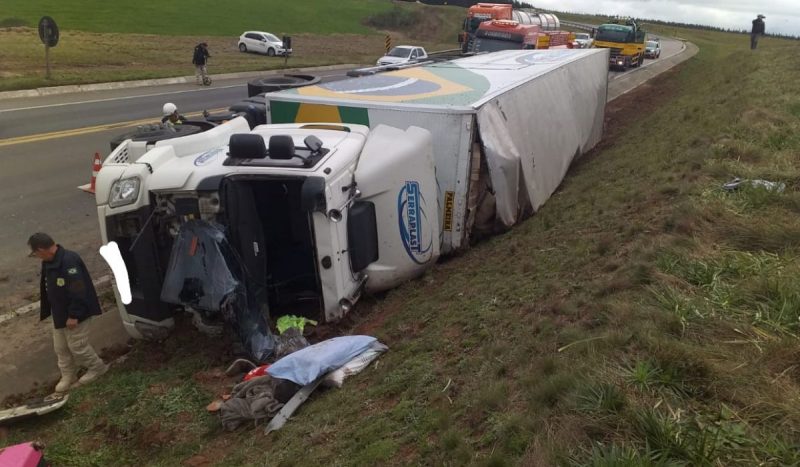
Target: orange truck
point(478, 13)
point(496, 35)
point(482, 12)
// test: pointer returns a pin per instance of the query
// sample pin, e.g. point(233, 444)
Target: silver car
point(652, 49)
point(262, 42)
point(584, 40)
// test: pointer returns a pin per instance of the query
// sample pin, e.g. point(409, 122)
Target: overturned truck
point(352, 186)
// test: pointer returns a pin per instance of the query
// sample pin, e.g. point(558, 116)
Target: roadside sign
point(48, 34)
point(48, 31)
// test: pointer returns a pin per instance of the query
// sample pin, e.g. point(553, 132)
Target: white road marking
point(95, 101)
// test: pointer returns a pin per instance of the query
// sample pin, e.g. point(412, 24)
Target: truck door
point(396, 173)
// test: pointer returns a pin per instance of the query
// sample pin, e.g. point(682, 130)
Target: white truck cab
point(313, 214)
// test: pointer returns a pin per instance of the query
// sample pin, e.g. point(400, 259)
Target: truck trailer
point(352, 186)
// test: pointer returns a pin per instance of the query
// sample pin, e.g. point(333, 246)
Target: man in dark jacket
point(199, 59)
point(757, 31)
point(67, 293)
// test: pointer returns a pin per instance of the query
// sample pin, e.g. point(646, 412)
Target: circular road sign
point(48, 31)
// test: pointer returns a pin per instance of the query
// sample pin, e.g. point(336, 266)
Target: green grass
point(642, 317)
point(94, 48)
point(201, 17)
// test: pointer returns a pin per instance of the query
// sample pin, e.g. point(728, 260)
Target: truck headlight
point(124, 192)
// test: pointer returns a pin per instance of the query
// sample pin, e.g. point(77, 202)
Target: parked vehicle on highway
point(584, 40)
point(652, 49)
point(262, 42)
point(403, 54)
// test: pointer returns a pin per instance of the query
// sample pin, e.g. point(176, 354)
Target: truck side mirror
point(362, 235)
point(312, 195)
point(313, 143)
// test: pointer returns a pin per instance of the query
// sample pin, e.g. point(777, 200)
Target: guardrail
point(400, 66)
point(572, 24)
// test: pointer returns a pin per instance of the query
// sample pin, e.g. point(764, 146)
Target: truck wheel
point(270, 52)
point(242, 48)
point(279, 83)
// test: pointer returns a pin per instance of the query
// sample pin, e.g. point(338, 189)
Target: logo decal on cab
point(415, 231)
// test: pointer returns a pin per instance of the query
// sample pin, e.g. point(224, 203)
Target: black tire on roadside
point(279, 83)
point(271, 52)
point(242, 48)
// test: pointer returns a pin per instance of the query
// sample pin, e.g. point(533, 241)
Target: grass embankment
point(114, 43)
point(643, 317)
point(200, 16)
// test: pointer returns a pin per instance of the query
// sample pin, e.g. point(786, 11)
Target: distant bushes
point(12, 22)
point(396, 18)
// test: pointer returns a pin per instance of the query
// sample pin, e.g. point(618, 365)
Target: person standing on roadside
point(199, 59)
point(68, 294)
point(757, 31)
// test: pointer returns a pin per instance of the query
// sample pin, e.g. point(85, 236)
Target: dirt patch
point(197, 461)
point(153, 436)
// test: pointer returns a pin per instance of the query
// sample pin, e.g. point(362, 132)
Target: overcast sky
point(783, 16)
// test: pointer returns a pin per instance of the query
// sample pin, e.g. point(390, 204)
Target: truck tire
point(279, 83)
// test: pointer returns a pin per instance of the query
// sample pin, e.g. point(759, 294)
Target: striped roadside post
point(388, 43)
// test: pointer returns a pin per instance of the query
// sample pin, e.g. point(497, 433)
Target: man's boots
point(65, 382)
point(93, 373)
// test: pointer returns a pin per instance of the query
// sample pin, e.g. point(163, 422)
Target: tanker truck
point(480, 12)
point(495, 35)
point(352, 186)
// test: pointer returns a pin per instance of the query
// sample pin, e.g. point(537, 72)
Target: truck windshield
point(473, 23)
point(484, 44)
point(614, 33)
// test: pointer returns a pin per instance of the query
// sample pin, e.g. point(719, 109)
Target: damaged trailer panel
point(506, 125)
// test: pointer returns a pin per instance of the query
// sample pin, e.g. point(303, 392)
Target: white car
point(262, 42)
point(652, 49)
point(403, 54)
point(584, 40)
